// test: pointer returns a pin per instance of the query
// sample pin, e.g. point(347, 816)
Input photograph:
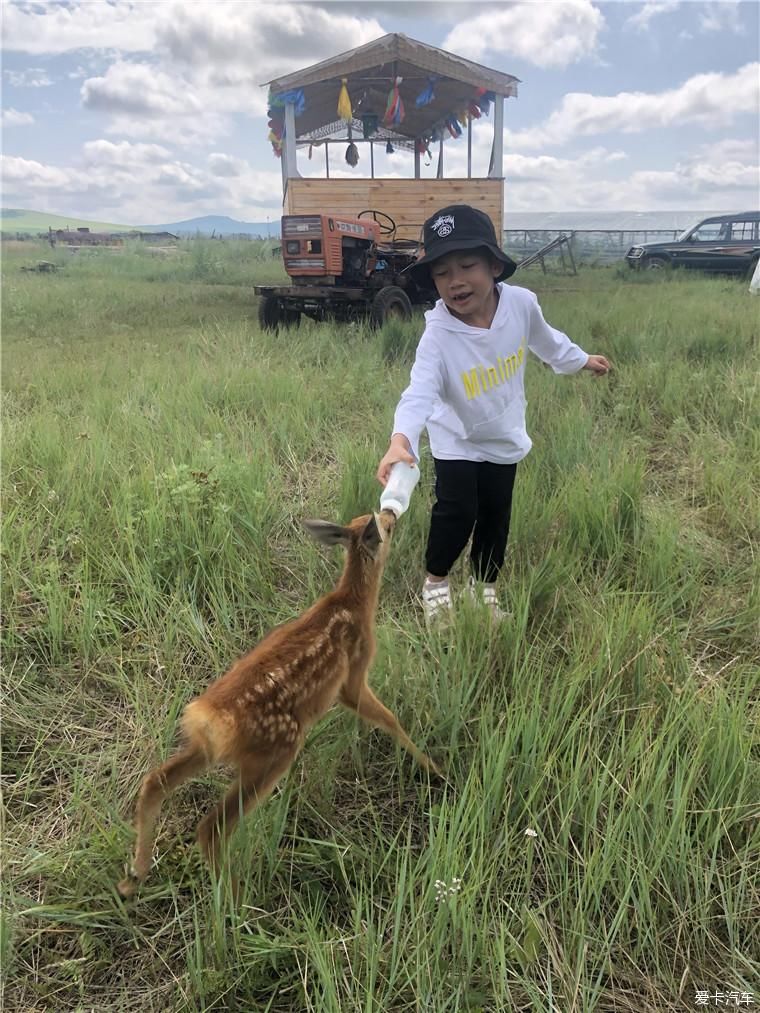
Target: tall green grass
point(159, 452)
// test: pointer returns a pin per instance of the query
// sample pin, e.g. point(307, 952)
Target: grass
point(14, 220)
point(158, 453)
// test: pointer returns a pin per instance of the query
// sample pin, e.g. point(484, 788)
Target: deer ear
point(371, 537)
point(328, 533)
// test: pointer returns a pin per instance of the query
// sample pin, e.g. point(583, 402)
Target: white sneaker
point(436, 600)
point(485, 594)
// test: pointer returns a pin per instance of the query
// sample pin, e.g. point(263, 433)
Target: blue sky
point(151, 112)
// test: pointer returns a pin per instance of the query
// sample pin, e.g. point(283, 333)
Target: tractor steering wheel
point(387, 227)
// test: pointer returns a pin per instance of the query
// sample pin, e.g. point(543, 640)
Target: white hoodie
point(467, 385)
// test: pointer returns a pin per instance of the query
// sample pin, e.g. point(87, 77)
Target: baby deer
point(257, 715)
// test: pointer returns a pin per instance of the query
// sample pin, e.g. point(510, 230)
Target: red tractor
point(345, 268)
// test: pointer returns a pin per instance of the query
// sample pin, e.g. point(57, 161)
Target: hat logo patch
point(443, 226)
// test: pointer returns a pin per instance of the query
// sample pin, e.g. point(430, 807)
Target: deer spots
point(276, 727)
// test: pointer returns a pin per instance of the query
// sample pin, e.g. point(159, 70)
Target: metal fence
point(600, 246)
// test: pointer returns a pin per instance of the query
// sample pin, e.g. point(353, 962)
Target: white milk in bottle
point(398, 491)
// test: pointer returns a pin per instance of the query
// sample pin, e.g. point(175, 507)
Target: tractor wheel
point(391, 303)
point(272, 315)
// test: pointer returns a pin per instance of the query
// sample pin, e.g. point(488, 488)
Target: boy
point(466, 387)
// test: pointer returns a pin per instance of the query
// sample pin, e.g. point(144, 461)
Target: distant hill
point(220, 225)
point(20, 220)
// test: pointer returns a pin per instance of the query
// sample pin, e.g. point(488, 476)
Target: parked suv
point(729, 244)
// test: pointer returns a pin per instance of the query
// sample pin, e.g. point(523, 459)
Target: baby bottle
point(398, 490)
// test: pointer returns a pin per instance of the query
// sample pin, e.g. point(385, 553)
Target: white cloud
point(708, 100)
point(49, 28)
point(212, 45)
point(232, 42)
point(32, 176)
point(546, 168)
point(123, 154)
point(14, 118)
point(544, 34)
point(147, 102)
point(32, 77)
point(202, 62)
point(283, 37)
point(715, 16)
point(648, 11)
point(582, 184)
point(716, 175)
point(692, 184)
point(138, 89)
point(731, 149)
point(140, 184)
point(722, 16)
point(225, 165)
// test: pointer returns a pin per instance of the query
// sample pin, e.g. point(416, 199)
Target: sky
point(151, 112)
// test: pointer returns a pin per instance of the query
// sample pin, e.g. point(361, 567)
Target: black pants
point(472, 498)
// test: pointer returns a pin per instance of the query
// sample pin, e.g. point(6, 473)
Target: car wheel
point(391, 303)
point(656, 264)
point(272, 315)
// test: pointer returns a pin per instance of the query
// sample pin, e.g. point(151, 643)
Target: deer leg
point(156, 786)
point(258, 777)
point(362, 700)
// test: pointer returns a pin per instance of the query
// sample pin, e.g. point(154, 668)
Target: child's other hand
point(399, 450)
point(598, 365)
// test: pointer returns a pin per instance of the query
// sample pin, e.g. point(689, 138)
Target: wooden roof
point(370, 70)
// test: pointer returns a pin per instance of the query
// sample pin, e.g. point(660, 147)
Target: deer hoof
point(128, 886)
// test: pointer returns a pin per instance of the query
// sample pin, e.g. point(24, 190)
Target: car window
point(710, 232)
point(742, 229)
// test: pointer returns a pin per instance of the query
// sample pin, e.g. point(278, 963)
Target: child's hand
point(399, 450)
point(598, 365)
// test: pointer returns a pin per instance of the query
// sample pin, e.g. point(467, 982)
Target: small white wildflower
point(530, 833)
point(443, 891)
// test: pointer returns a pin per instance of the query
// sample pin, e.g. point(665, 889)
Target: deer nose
point(388, 520)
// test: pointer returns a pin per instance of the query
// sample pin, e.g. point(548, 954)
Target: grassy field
point(14, 220)
point(158, 453)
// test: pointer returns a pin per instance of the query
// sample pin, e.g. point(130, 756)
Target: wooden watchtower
point(441, 93)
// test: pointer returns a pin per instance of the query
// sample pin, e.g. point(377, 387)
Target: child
point(466, 387)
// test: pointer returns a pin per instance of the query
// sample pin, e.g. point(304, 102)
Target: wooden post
point(439, 172)
point(469, 147)
point(327, 158)
point(291, 163)
point(496, 170)
point(416, 162)
point(570, 242)
point(371, 160)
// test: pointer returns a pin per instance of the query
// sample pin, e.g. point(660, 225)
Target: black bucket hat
point(458, 227)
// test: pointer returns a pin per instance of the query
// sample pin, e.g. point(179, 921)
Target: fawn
point(257, 714)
